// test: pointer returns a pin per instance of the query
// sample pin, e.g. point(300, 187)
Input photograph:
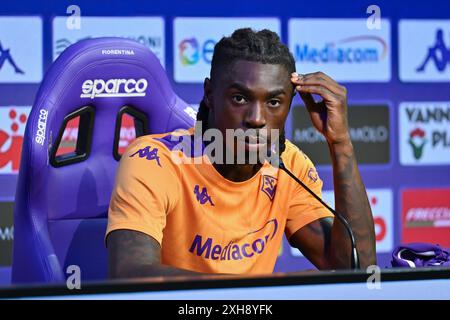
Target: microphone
point(354, 254)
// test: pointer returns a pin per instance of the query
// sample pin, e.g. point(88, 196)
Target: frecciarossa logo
point(99, 88)
point(245, 248)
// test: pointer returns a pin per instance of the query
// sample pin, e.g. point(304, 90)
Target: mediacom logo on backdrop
point(426, 216)
point(343, 48)
point(12, 129)
point(424, 133)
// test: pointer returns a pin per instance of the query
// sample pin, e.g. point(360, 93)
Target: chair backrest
point(61, 203)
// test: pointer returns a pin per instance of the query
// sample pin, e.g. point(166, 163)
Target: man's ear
point(207, 89)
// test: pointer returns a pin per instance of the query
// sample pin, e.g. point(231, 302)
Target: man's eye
point(274, 103)
point(239, 99)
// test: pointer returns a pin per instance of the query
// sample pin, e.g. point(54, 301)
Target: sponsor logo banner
point(194, 43)
point(41, 127)
point(12, 128)
point(251, 245)
point(113, 88)
point(345, 49)
point(424, 50)
point(381, 202)
point(21, 49)
point(148, 31)
point(426, 216)
point(369, 131)
point(6, 232)
point(424, 133)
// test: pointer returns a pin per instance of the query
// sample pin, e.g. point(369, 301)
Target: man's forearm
point(133, 254)
point(351, 201)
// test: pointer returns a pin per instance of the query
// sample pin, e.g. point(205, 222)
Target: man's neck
point(234, 172)
point(237, 172)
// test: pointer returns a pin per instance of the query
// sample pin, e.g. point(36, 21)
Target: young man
point(167, 218)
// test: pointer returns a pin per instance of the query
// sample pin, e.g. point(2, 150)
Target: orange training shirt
point(203, 221)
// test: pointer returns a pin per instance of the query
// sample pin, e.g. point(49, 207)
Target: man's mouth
point(253, 136)
point(255, 140)
point(253, 143)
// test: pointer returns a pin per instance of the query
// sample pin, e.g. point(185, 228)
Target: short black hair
point(246, 44)
point(262, 46)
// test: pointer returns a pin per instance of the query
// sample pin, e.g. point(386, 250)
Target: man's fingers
point(307, 99)
point(319, 75)
point(320, 90)
point(320, 84)
point(311, 105)
point(314, 81)
point(320, 79)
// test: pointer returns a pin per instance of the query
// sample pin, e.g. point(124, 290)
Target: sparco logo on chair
point(42, 126)
point(99, 88)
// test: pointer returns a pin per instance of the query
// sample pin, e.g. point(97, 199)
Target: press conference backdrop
point(395, 63)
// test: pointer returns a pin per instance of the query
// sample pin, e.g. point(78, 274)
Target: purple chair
point(61, 206)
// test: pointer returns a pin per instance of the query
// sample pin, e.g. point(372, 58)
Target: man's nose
point(255, 116)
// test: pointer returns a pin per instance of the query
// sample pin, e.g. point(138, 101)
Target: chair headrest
point(107, 73)
point(104, 75)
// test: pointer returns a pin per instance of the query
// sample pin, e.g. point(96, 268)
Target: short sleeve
point(146, 189)
point(304, 208)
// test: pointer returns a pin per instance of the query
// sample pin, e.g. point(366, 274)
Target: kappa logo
point(5, 56)
point(269, 186)
point(148, 153)
point(438, 53)
point(202, 197)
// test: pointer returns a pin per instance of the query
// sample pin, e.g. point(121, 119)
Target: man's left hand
point(328, 116)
